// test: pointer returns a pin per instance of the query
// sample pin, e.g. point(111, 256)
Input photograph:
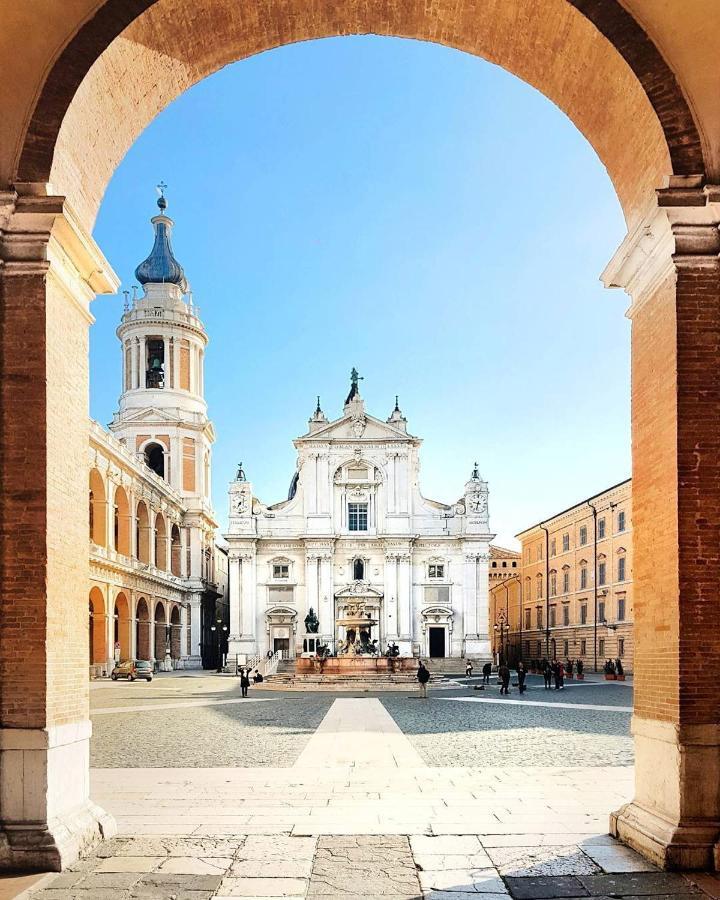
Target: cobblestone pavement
point(412, 867)
point(274, 728)
point(252, 799)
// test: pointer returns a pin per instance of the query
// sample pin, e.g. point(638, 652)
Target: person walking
point(423, 676)
point(521, 674)
point(468, 669)
point(244, 681)
point(504, 673)
point(547, 673)
point(487, 669)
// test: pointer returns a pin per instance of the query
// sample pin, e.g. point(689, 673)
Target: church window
point(566, 582)
point(155, 367)
point(357, 474)
point(281, 570)
point(357, 516)
point(155, 459)
point(358, 570)
point(553, 584)
point(436, 570)
point(566, 542)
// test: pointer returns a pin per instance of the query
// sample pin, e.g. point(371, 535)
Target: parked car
point(132, 669)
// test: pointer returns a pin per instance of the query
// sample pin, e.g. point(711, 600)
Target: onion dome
point(161, 267)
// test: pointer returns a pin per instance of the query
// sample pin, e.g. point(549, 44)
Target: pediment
point(284, 611)
point(348, 428)
point(357, 591)
point(152, 415)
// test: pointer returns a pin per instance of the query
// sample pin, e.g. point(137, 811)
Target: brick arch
point(97, 509)
point(161, 622)
point(624, 97)
point(98, 642)
point(142, 630)
point(175, 632)
point(121, 615)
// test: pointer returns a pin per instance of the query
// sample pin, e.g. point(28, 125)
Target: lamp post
point(500, 627)
point(219, 628)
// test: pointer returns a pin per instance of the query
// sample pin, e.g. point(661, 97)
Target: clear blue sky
point(407, 209)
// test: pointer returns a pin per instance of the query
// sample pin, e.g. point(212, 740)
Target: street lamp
point(219, 628)
point(500, 627)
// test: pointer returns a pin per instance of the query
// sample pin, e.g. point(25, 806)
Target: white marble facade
point(356, 526)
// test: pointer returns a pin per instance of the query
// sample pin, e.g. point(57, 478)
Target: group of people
point(613, 667)
point(553, 672)
point(245, 675)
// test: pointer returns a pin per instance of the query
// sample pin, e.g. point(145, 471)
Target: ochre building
point(573, 598)
point(158, 581)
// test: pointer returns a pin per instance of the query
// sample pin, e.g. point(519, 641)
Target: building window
point(527, 619)
point(621, 521)
point(494, 565)
point(155, 364)
point(553, 547)
point(553, 584)
point(514, 564)
point(358, 569)
point(601, 528)
point(566, 582)
point(566, 649)
point(437, 570)
point(281, 570)
point(583, 578)
point(621, 569)
point(621, 609)
point(539, 552)
point(528, 589)
point(357, 516)
point(601, 573)
point(552, 617)
point(154, 457)
point(566, 616)
point(538, 616)
point(583, 535)
point(526, 648)
point(566, 543)
point(601, 647)
point(621, 646)
point(583, 613)
point(583, 648)
point(538, 587)
point(601, 611)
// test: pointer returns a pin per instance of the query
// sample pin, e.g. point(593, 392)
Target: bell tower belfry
point(162, 412)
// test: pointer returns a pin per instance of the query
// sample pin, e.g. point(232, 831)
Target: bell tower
point(162, 412)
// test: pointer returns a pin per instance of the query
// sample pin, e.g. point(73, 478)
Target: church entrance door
point(283, 645)
point(437, 642)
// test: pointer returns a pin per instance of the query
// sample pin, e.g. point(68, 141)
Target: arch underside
point(608, 92)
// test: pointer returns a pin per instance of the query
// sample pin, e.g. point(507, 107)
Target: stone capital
point(681, 233)
point(40, 234)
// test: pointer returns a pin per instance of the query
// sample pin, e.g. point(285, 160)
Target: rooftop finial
point(397, 407)
point(161, 201)
point(475, 473)
point(240, 473)
point(317, 408)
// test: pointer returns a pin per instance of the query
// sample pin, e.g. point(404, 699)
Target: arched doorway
point(175, 635)
point(142, 630)
point(121, 522)
point(615, 84)
point(122, 633)
point(142, 532)
point(175, 551)
point(161, 632)
point(154, 455)
point(160, 542)
point(98, 651)
point(97, 512)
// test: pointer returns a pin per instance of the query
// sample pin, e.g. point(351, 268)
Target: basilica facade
point(355, 532)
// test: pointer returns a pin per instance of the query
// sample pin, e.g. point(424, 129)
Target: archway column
point(671, 270)
point(50, 269)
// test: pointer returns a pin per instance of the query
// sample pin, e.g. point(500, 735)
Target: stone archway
point(175, 634)
point(122, 645)
point(98, 649)
point(161, 627)
point(597, 63)
point(142, 630)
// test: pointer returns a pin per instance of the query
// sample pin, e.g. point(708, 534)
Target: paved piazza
point(294, 794)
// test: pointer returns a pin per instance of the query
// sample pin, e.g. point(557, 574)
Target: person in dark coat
point(244, 681)
point(487, 669)
point(521, 674)
point(559, 672)
point(423, 676)
point(547, 673)
point(504, 674)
